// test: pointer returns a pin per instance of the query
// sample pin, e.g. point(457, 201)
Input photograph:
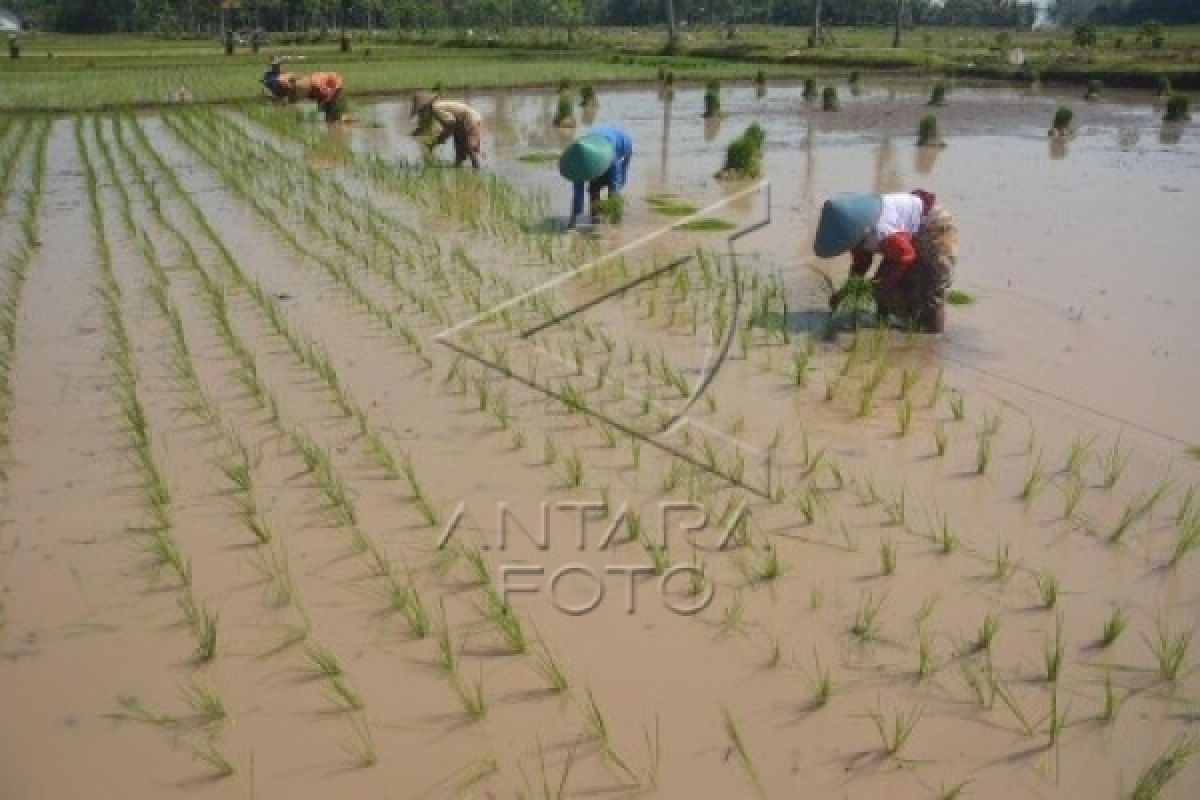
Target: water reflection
point(1128, 137)
point(926, 158)
point(1171, 133)
point(665, 154)
point(712, 127)
point(1058, 147)
point(887, 177)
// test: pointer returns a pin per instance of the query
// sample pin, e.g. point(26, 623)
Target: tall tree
point(814, 38)
point(672, 28)
point(899, 23)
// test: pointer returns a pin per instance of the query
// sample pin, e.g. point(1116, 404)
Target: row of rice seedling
point(160, 545)
point(28, 149)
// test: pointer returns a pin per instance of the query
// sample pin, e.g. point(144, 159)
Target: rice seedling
point(800, 361)
point(887, 557)
point(573, 470)
point(733, 616)
point(1154, 779)
point(1072, 495)
point(1187, 541)
point(957, 406)
point(1113, 463)
point(1052, 653)
point(895, 733)
point(504, 619)
point(1178, 108)
point(936, 388)
point(1114, 626)
point(548, 790)
point(712, 99)
point(1077, 454)
point(1186, 505)
point(940, 439)
point(321, 662)
point(214, 759)
point(866, 623)
point(738, 747)
point(937, 96)
point(131, 708)
point(596, 729)
point(1034, 481)
point(770, 569)
point(660, 559)
point(944, 537)
point(929, 133)
point(896, 510)
point(448, 646)
point(205, 703)
point(1169, 650)
point(1003, 564)
point(550, 668)
point(345, 696)
point(361, 744)
point(471, 695)
point(926, 657)
point(416, 615)
point(904, 417)
point(1047, 586)
point(1133, 511)
point(1063, 117)
point(1112, 703)
point(829, 99)
point(983, 453)
point(986, 634)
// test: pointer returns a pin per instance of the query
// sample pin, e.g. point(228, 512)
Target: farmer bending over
point(326, 89)
point(918, 244)
point(455, 119)
point(279, 83)
point(601, 161)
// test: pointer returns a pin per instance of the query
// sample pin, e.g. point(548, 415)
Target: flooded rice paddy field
point(254, 370)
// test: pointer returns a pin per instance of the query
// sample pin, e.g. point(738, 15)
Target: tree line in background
point(200, 16)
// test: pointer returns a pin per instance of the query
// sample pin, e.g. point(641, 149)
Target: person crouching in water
point(456, 120)
point(326, 89)
point(281, 85)
point(918, 244)
point(595, 162)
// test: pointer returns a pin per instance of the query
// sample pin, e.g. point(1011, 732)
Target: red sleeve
point(898, 249)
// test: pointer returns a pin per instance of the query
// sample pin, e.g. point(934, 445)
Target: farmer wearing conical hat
point(595, 162)
point(456, 120)
point(918, 244)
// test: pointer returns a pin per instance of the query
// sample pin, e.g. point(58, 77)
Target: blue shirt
point(617, 173)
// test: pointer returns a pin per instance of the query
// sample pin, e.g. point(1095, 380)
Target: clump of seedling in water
point(712, 99)
point(1094, 89)
point(810, 89)
point(587, 97)
point(737, 746)
point(1170, 650)
point(564, 112)
point(895, 736)
point(1178, 108)
point(1063, 118)
point(829, 99)
point(743, 159)
point(1154, 779)
point(937, 97)
point(928, 134)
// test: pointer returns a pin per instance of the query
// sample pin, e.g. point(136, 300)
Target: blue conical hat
point(587, 158)
point(845, 220)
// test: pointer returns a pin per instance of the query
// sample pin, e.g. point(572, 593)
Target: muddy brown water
point(1079, 333)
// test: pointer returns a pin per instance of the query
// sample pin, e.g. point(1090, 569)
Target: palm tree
point(672, 28)
point(814, 38)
